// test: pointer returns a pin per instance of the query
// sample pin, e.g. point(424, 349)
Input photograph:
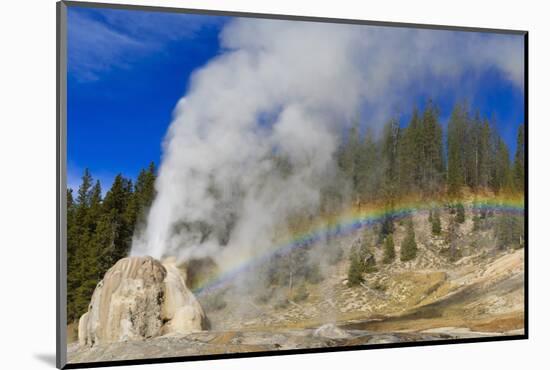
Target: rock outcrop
point(180, 310)
point(139, 298)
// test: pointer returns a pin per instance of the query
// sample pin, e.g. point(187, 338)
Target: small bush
point(477, 223)
point(355, 271)
point(361, 262)
point(460, 215)
point(435, 220)
point(409, 248)
point(509, 231)
point(389, 250)
point(300, 293)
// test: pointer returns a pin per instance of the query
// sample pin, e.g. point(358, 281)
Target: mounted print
point(235, 184)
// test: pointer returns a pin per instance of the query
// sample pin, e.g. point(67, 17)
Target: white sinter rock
point(139, 298)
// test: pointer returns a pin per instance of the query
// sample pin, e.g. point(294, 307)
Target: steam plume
point(283, 89)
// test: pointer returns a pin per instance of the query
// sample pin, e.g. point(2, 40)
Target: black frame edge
point(161, 360)
point(290, 17)
point(526, 182)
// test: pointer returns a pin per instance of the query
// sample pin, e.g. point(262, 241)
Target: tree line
point(100, 230)
point(419, 159)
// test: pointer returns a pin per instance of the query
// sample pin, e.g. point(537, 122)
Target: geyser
point(253, 140)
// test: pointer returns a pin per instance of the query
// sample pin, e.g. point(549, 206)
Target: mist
point(282, 90)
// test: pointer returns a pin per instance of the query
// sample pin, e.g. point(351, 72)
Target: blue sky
point(127, 70)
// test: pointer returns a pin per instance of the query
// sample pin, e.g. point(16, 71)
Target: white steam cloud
point(287, 88)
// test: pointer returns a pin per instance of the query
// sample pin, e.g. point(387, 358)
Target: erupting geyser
point(281, 92)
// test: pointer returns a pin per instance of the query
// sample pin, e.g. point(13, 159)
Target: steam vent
point(139, 298)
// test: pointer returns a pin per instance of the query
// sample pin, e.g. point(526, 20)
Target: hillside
point(477, 291)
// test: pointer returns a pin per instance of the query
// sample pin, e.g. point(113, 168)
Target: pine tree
point(502, 174)
point(432, 159)
point(519, 160)
point(435, 221)
point(390, 144)
point(368, 168)
point(78, 236)
point(115, 204)
point(452, 238)
point(99, 231)
point(509, 231)
point(72, 283)
point(460, 215)
point(474, 151)
point(484, 150)
point(455, 149)
point(410, 155)
point(408, 247)
point(389, 250)
point(355, 271)
point(95, 209)
point(350, 154)
point(83, 199)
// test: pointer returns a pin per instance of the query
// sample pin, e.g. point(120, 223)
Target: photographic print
point(237, 184)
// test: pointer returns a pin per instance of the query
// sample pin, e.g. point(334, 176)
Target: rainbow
point(350, 221)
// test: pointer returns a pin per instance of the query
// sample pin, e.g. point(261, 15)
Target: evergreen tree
point(349, 155)
point(145, 187)
point(484, 155)
point(474, 151)
point(519, 160)
point(84, 195)
point(72, 284)
point(368, 168)
point(389, 250)
point(115, 205)
point(408, 247)
point(460, 215)
point(99, 231)
point(78, 236)
point(452, 239)
point(95, 209)
point(509, 231)
point(435, 221)
point(390, 144)
point(432, 159)
point(456, 134)
point(410, 153)
point(502, 172)
point(355, 271)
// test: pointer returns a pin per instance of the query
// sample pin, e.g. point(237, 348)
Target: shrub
point(509, 231)
point(386, 228)
point(355, 271)
point(460, 215)
point(408, 247)
point(435, 220)
point(477, 223)
point(389, 250)
point(361, 262)
point(300, 293)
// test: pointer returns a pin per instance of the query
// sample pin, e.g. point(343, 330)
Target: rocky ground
point(479, 294)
